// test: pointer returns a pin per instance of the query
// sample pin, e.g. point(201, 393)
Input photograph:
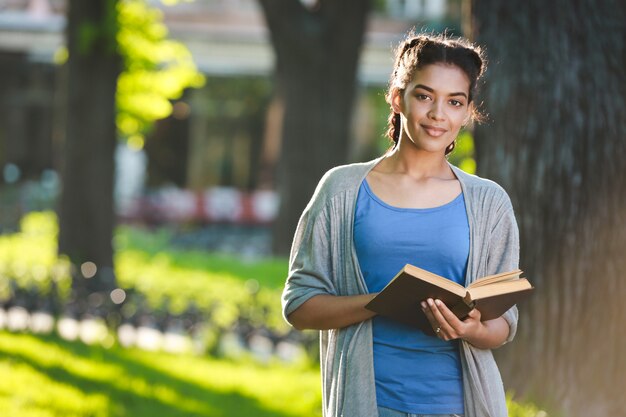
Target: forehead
point(442, 78)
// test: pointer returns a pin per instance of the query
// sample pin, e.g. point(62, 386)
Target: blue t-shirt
point(414, 372)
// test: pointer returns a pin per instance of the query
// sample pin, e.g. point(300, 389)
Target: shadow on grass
point(196, 399)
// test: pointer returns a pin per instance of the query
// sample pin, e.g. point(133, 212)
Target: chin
point(432, 147)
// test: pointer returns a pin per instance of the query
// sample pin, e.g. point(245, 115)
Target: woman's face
point(433, 107)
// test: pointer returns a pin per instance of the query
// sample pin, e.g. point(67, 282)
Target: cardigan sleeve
point(309, 261)
point(504, 253)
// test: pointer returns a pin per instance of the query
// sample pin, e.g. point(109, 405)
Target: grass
point(269, 272)
point(44, 376)
point(47, 376)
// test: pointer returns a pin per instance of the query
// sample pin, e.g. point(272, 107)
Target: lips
point(433, 130)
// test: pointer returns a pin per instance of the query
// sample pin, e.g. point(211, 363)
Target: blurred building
point(224, 134)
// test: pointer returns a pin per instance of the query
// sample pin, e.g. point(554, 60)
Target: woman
point(365, 221)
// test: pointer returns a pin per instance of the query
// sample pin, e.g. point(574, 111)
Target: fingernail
point(423, 304)
point(430, 301)
point(438, 302)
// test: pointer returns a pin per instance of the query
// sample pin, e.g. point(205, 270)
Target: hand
point(447, 326)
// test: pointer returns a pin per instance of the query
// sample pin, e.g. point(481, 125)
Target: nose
point(436, 112)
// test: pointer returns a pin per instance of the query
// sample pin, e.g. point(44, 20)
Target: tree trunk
point(86, 207)
point(317, 52)
point(555, 97)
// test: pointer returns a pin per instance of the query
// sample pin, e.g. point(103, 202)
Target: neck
point(418, 163)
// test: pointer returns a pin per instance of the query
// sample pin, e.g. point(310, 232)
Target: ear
point(396, 100)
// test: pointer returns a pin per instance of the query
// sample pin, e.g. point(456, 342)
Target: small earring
point(451, 147)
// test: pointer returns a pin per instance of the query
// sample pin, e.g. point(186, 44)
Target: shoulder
point(340, 179)
point(483, 190)
point(474, 182)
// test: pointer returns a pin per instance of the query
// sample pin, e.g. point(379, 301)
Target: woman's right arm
point(325, 311)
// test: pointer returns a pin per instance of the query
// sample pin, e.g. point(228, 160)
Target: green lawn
point(156, 243)
point(46, 376)
point(50, 377)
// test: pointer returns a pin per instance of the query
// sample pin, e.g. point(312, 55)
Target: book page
point(490, 279)
point(497, 288)
point(435, 279)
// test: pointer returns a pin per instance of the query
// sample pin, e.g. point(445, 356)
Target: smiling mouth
point(433, 131)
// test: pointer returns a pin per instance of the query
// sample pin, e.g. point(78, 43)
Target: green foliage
point(376, 98)
point(240, 99)
point(156, 69)
point(463, 154)
point(223, 288)
point(517, 409)
point(103, 33)
point(88, 35)
point(76, 380)
point(166, 279)
point(379, 6)
point(28, 259)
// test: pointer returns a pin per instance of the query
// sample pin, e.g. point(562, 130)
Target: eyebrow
point(425, 87)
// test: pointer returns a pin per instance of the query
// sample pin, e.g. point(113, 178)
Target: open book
point(491, 295)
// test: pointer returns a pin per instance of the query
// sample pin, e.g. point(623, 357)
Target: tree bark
point(86, 207)
point(317, 52)
point(556, 141)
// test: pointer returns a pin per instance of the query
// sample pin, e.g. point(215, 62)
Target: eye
point(456, 103)
point(422, 97)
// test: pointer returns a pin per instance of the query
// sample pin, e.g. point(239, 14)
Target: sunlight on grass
point(270, 272)
point(26, 392)
point(72, 379)
point(48, 377)
point(274, 386)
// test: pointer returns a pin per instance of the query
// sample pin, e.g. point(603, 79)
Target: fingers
point(437, 308)
point(474, 314)
point(429, 315)
point(440, 317)
point(447, 315)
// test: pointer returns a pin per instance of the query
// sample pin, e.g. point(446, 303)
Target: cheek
point(417, 109)
point(460, 118)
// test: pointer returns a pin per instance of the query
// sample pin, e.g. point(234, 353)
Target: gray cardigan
point(323, 261)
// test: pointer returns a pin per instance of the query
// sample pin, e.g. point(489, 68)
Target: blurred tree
point(556, 94)
point(86, 206)
point(122, 74)
point(317, 50)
